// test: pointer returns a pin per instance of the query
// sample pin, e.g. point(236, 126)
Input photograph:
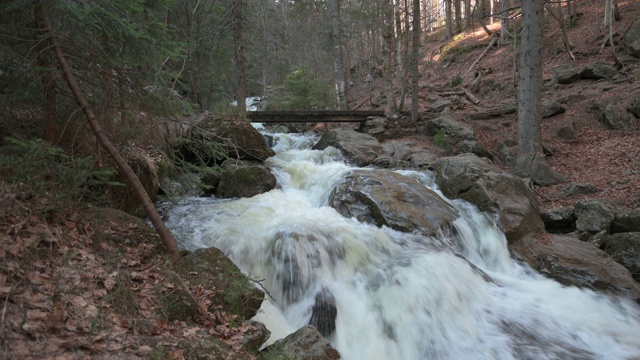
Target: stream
point(398, 295)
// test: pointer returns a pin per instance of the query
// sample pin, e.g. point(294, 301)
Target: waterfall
point(398, 295)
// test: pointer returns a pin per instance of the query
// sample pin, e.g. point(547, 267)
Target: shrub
point(49, 171)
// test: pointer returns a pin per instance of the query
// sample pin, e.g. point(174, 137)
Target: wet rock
point(212, 270)
point(559, 220)
point(386, 198)
point(565, 74)
point(573, 262)
point(358, 148)
point(422, 159)
point(626, 221)
point(618, 118)
point(593, 215)
point(473, 179)
point(625, 249)
point(574, 188)
point(255, 336)
point(305, 344)
point(324, 313)
point(598, 70)
point(244, 179)
point(631, 40)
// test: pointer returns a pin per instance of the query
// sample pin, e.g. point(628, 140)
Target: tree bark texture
point(241, 92)
point(48, 82)
point(165, 234)
point(415, 74)
point(387, 51)
point(530, 87)
point(338, 68)
point(448, 26)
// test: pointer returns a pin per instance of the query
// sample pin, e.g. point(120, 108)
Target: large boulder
point(626, 221)
point(598, 70)
point(244, 179)
point(454, 135)
point(305, 344)
point(386, 198)
point(559, 220)
point(565, 74)
point(625, 249)
point(210, 269)
point(593, 215)
point(618, 118)
point(573, 262)
point(631, 40)
point(473, 179)
point(358, 148)
point(634, 106)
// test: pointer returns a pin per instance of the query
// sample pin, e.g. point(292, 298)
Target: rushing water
point(399, 296)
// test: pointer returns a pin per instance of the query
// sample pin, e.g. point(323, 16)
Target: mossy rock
point(177, 301)
point(212, 270)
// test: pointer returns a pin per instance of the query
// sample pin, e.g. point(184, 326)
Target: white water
point(399, 296)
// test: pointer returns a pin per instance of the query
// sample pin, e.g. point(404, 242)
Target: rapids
point(398, 295)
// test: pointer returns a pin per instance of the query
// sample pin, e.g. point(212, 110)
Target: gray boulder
point(559, 220)
point(565, 74)
point(452, 128)
point(573, 188)
point(573, 262)
point(305, 344)
point(625, 249)
point(593, 215)
point(618, 118)
point(598, 70)
point(455, 134)
point(634, 106)
point(386, 198)
point(244, 179)
point(631, 40)
point(473, 179)
point(422, 159)
point(626, 221)
point(211, 269)
point(358, 148)
point(440, 104)
point(551, 108)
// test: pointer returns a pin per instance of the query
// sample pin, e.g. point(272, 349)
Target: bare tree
point(415, 54)
point(338, 68)
point(530, 162)
point(241, 89)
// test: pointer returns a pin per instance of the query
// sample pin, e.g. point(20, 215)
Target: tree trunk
point(458, 12)
point(504, 22)
point(241, 90)
point(467, 14)
point(448, 32)
point(388, 57)
point(338, 68)
point(166, 236)
point(530, 162)
point(415, 74)
point(49, 83)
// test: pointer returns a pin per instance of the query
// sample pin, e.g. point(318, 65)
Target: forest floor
point(608, 159)
point(61, 292)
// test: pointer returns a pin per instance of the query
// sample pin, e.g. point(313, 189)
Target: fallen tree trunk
point(492, 113)
point(491, 43)
point(165, 234)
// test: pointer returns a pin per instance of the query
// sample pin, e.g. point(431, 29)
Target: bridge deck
point(312, 116)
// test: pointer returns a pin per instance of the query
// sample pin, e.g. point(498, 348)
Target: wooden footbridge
point(312, 116)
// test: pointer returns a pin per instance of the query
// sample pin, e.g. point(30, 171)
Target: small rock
point(618, 118)
point(565, 74)
point(598, 70)
point(573, 188)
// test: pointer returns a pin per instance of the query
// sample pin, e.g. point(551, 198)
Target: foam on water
point(399, 296)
